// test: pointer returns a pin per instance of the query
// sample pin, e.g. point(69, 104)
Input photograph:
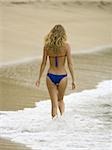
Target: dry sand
point(23, 27)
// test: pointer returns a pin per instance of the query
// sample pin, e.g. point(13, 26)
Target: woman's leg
point(53, 95)
point(61, 91)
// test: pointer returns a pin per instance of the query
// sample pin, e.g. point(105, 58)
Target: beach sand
point(23, 28)
point(7, 145)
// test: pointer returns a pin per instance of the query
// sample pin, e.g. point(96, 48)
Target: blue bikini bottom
point(55, 78)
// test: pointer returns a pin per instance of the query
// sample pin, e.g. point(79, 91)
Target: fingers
point(73, 86)
point(37, 83)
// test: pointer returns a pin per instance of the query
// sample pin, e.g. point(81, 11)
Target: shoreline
point(30, 59)
point(6, 144)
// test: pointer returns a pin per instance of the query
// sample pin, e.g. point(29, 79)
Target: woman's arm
point(42, 67)
point(70, 65)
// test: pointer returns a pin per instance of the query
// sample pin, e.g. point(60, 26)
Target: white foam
point(86, 124)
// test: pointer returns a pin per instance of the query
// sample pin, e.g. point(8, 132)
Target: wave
point(86, 124)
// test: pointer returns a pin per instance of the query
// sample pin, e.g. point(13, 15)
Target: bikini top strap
point(58, 56)
point(56, 59)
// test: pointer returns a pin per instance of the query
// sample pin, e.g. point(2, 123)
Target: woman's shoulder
point(67, 46)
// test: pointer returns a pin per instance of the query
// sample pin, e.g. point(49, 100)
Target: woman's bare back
point(57, 61)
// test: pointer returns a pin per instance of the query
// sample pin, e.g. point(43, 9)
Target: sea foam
point(86, 124)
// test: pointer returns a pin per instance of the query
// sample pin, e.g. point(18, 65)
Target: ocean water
point(86, 124)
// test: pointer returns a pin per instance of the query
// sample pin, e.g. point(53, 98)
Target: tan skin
point(57, 92)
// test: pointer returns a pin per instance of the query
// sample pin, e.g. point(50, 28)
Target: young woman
point(58, 50)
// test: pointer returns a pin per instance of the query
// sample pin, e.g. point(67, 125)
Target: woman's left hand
point(73, 85)
point(37, 83)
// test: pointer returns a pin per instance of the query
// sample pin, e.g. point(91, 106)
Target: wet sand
point(8, 145)
point(92, 24)
point(90, 68)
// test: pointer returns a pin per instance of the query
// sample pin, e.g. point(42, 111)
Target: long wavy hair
point(56, 38)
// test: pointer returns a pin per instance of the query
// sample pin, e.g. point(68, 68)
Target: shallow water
point(86, 124)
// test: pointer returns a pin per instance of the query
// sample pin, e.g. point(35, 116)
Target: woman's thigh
point(52, 90)
point(61, 88)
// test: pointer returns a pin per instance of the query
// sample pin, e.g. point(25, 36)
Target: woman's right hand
point(37, 83)
point(73, 85)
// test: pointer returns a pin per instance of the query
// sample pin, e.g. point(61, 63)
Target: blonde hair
point(56, 38)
